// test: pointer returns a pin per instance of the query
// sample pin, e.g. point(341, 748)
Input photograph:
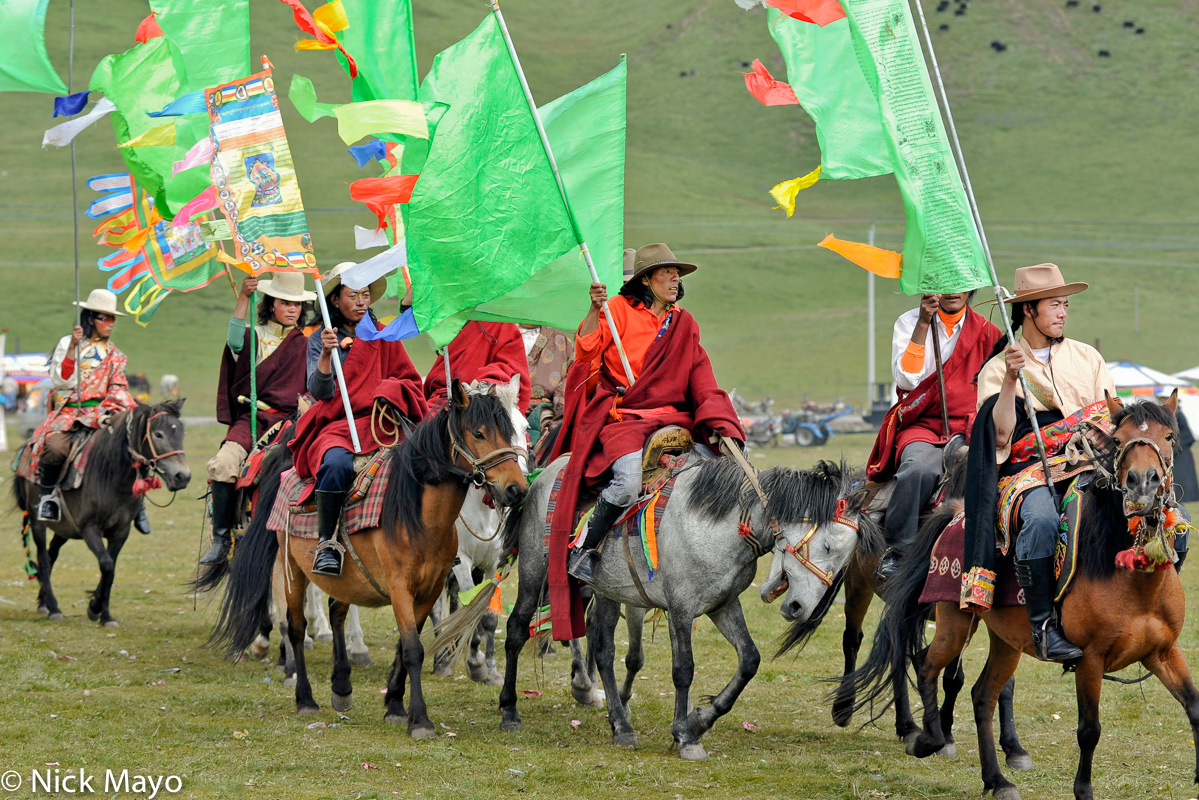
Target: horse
point(704, 567)
point(1116, 616)
point(470, 441)
point(137, 445)
point(861, 584)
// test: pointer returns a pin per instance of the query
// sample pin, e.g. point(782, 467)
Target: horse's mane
point(1105, 526)
point(425, 456)
point(792, 495)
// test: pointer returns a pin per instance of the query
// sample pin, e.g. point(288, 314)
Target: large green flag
point(24, 65)
point(381, 41)
point(823, 70)
point(942, 251)
point(486, 213)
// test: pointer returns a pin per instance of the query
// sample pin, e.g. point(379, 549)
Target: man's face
point(1050, 316)
point(286, 312)
point(664, 282)
point(104, 324)
point(353, 303)
point(953, 303)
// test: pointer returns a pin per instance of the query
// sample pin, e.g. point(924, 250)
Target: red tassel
point(744, 530)
point(144, 485)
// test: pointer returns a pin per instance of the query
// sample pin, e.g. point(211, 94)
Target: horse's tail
point(900, 633)
point(18, 492)
point(800, 632)
point(246, 606)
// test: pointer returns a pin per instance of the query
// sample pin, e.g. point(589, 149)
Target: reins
point(478, 467)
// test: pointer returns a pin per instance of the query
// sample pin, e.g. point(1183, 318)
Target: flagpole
point(336, 357)
point(943, 99)
point(251, 318)
point(445, 356)
point(75, 203)
point(549, 152)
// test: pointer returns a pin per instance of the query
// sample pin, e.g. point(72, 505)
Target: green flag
point(942, 251)
point(486, 213)
point(24, 65)
point(586, 129)
point(380, 28)
point(823, 70)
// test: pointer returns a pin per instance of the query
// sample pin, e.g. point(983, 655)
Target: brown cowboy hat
point(652, 256)
point(630, 259)
point(1041, 281)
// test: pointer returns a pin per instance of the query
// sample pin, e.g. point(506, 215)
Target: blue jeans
point(336, 472)
point(1039, 526)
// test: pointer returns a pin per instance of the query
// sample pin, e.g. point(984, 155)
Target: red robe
point(377, 369)
point(486, 351)
point(676, 372)
point(917, 415)
point(280, 381)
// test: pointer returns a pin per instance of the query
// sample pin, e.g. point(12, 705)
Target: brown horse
point(1117, 616)
point(403, 564)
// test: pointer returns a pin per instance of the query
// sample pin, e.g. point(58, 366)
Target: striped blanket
point(363, 507)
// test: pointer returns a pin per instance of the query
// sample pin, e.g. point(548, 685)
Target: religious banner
point(255, 178)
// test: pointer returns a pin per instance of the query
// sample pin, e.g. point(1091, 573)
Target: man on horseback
point(377, 373)
point(280, 380)
point(88, 373)
point(484, 351)
point(607, 429)
point(914, 434)
point(1064, 378)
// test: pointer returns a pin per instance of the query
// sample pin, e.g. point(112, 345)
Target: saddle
point(671, 441)
point(71, 474)
point(363, 505)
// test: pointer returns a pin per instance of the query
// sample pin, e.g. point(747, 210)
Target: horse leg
point(951, 684)
point(360, 654)
point(997, 671)
point(95, 542)
point(730, 621)
point(905, 724)
point(682, 672)
point(947, 645)
point(601, 634)
point(314, 612)
point(56, 544)
point(100, 597)
point(343, 692)
point(518, 634)
point(482, 651)
point(1088, 683)
point(857, 601)
point(1017, 757)
point(412, 658)
point(447, 604)
point(296, 625)
point(46, 602)
point(1172, 670)
point(634, 659)
point(583, 677)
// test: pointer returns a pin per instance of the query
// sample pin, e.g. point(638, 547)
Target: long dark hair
point(639, 294)
point(336, 318)
point(266, 310)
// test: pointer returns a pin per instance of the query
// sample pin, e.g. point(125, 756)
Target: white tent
point(1190, 375)
point(1128, 375)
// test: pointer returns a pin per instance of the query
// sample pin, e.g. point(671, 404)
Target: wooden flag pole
point(336, 358)
point(549, 152)
point(75, 208)
point(250, 320)
point(940, 377)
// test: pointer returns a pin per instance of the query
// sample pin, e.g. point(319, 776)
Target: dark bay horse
point(468, 442)
point(143, 442)
point(1117, 616)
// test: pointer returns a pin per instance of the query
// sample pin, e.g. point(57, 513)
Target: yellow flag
point(785, 192)
point(155, 137)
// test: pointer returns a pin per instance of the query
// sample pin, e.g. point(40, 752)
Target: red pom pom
point(744, 530)
point(144, 485)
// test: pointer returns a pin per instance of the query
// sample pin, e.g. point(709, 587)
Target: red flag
point(148, 29)
point(325, 39)
point(767, 90)
point(380, 194)
point(819, 12)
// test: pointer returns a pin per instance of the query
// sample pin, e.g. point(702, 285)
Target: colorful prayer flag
point(24, 65)
point(786, 191)
point(380, 38)
point(766, 90)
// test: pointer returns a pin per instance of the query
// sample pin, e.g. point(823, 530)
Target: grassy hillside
point(1077, 159)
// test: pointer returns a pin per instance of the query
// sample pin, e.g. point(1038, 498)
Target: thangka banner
point(254, 176)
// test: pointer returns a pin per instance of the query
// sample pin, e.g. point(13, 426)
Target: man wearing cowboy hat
point(375, 371)
point(278, 362)
point(674, 385)
point(88, 387)
point(1064, 376)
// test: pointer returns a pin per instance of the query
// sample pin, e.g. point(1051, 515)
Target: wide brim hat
point(101, 301)
point(651, 256)
point(287, 286)
point(333, 279)
point(630, 260)
point(1041, 281)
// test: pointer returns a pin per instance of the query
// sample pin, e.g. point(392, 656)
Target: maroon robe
point(917, 415)
point(280, 382)
point(676, 372)
point(483, 351)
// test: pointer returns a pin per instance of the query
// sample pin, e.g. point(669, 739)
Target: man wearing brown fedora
point(1064, 377)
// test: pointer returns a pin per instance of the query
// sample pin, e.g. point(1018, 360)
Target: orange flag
point(884, 263)
point(766, 90)
point(380, 194)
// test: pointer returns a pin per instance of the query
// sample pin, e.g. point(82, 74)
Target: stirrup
point(339, 553)
point(48, 508)
point(581, 565)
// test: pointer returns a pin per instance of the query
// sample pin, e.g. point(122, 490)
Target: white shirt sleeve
point(60, 355)
point(902, 335)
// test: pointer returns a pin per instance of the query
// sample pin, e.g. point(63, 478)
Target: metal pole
point(943, 99)
point(449, 379)
point(336, 357)
point(250, 320)
point(870, 344)
point(75, 202)
point(545, 142)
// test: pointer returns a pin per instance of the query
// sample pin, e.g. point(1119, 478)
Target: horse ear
point(176, 406)
point(1114, 406)
point(1171, 404)
point(458, 392)
point(514, 386)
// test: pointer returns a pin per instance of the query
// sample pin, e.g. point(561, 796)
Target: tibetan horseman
point(482, 351)
point(88, 388)
point(279, 382)
point(912, 439)
point(605, 429)
point(376, 372)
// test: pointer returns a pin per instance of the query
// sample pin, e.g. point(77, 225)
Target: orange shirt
point(638, 328)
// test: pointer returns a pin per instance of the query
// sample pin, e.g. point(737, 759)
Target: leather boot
point(1036, 576)
point(47, 505)
point(141, 521)
point(581, 564)
point(328, 512)
point(224, 516)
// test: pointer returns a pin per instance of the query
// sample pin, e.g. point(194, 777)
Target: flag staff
point(943, 98)
point(545, 142)
point(251, 318)
point(75, 200)
point(336, 358)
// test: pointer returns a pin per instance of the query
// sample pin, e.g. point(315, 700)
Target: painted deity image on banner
point(260, 169)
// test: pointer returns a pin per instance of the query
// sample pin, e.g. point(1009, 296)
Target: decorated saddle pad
point(253, 465)
point(363, 507)
point(944, 582)
point(81, 445)
point(1013, 489)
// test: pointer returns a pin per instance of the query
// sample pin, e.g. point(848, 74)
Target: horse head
point(156, 437)
point(484, 435)
point(1143, 445)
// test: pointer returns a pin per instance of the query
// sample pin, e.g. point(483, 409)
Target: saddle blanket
point(22, 463)
point(363, 507)
point(944, 582)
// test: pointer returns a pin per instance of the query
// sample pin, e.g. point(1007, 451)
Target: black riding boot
point(581, 564)
point(328, 512)
point(1036, 576)
point(47, 504)
point(141, 521)
point(224, 516)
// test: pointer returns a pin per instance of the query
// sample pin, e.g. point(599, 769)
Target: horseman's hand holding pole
point(328, 344)
point(599, 296)
point(928, 309)
point(1005, 408)
point(76, 337)
point(242, 307)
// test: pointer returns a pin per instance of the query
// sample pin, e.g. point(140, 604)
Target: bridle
point(478, 467)
point(142, 461)
point(1112, 477)
point(802, 550)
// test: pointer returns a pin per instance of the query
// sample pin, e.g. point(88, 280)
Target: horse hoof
point(950, 750)
point(257, 652)
point(1007, 793)
point(361, 659)
point(627, 740)
point(289, 683)
point(587, 697)
point(422, 733)
point(494, 679)
point(395, 719)
point(842, 717)
point(308, 644)
point(110, 623)
point(45, 612)
point(94, 616)
point(55, 617)
point(909, 742)
point(1020, 761)
point(511, 726)
point(693, 752)
point(341, 702)
point(307, 711)
point(444, 670)
point(325, 637)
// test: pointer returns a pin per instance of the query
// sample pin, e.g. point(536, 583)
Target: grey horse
point(704, 566)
